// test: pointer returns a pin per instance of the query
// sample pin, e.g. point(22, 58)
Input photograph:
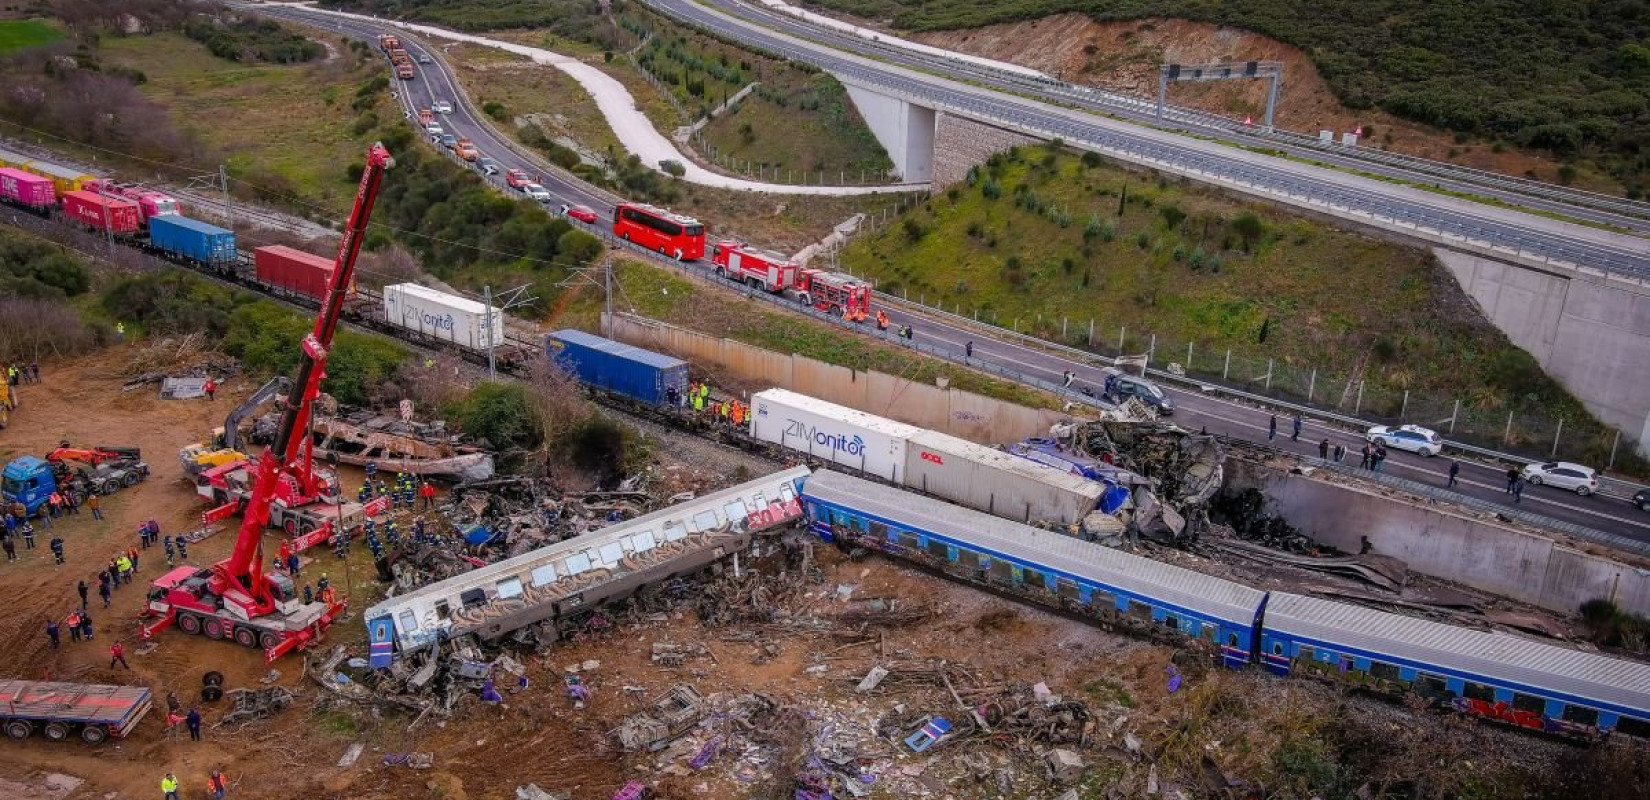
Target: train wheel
point(246, 637)
point(18, 729)
point(56, 731)
point(189, 623)
point(267, 640)
point(212, 678)
point(94, 734)
point(213, 628)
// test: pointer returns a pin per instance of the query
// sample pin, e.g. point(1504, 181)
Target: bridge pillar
point(904, 129)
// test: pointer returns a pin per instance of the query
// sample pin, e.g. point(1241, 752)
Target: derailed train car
point(567, 578)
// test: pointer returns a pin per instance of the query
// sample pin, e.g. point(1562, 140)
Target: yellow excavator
point(225, 445)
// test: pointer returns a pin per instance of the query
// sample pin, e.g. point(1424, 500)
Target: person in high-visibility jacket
point(169, 787)
point(882, 320)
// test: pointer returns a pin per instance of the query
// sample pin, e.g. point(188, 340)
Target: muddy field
point(806, 639)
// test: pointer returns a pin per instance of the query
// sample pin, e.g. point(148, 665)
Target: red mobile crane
point(235, 598)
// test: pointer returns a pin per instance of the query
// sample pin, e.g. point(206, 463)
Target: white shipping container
point(990, 480)
point(439, 315)
point(866, 442)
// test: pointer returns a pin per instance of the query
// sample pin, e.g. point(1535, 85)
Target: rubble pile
point(1172, 475)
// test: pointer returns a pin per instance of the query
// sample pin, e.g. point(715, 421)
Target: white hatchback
point(1564, 475)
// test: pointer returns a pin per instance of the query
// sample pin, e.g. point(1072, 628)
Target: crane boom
point(242, 572)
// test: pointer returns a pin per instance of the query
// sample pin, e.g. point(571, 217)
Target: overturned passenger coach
point(564, 579)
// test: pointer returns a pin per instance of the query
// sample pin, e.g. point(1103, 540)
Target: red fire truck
point(760, 269)
point(835, 293)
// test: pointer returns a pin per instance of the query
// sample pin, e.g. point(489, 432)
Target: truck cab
point(30, 481)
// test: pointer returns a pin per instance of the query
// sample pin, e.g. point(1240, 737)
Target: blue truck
point(641, 375)
point(105, 470)
point(192, 240)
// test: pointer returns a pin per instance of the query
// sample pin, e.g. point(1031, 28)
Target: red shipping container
point(293, 270)
point(95, 211)
point(26, 188)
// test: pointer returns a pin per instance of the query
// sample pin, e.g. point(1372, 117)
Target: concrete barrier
point(1479, 553)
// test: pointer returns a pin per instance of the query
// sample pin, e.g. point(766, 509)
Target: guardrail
point(1141, 108)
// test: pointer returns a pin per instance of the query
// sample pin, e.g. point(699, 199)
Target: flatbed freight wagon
point(57, 710)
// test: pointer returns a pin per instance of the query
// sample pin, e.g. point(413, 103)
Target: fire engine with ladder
point(832, 292)
point(235, 598)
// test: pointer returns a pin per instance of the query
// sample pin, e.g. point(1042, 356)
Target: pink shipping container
point(96, 211)
point(293, 270)
point(26, 189)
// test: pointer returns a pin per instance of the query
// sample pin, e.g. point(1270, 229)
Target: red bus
point(673, 235)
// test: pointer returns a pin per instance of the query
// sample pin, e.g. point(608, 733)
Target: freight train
point(153, 222)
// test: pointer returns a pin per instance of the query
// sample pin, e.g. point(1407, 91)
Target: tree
point(1249, 228)
point(1172, 215)
point(501, 414)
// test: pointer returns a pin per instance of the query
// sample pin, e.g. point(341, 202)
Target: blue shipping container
point(631, 371)
point(192, 239)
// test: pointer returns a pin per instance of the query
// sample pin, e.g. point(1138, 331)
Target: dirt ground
point(1124, 57)
point(482, 752)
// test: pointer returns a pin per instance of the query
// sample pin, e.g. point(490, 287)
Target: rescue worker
point(57, 549)
point(169, 787)
point(169, 550)
point(292, 564)
point(52, 633)
point(132, 556)
point(193, 721)
point(211, 389)
point(73, 622)
point(123, 568)
point(55, 504)
point(372, 470)
point(882, 320)
point(183, 549)
point(28, 535)
point(427, 491)
point(9, 546)
point(363, 494)
point(86, 625)
point(93, 503)
point(117, 654)
point(309, 595)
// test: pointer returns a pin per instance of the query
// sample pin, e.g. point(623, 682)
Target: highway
point(1575, 203)
point(1609, 513)
point(1335, 192)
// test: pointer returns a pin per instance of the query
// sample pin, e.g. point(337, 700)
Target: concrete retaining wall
point(961, 143)
point(1590, 333)
point(965, 415)
point(1473, 552)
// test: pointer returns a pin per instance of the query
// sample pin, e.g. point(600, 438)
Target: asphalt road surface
point(1342, 193)
point(1545, 197)
point(1195, 411)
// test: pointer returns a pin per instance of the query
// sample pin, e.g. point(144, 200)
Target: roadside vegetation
point(40, 283)
point(1042, 240)
point(1567, 77)
point(658, 293)
point(250, 39)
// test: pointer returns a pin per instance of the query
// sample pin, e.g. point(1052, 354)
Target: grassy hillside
point(1036, 240)
point(18, 34)
point(284, 126)
point(1566, 76)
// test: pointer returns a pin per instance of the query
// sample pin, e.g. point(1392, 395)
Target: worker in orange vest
point(217, 785)
point(882, 320)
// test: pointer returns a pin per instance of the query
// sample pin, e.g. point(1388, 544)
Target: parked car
point(435, 131)
point(1413, 438)
point(1120, 386)
point(584, 214)
point(517, 178)
point(489, 166)
point(1563, 475)
point(449, 141)
point(466, 150)
point(442, 107)
point(536, 192)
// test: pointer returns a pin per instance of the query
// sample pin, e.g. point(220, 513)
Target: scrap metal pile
point(1172, 475)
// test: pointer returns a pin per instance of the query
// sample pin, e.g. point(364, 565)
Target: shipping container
point(96, 211)
point(442, 316)
point(26, 189)
point(996, 482)
point(618, 367)
point(192, 240)
point(293, 270)
point(64, 179)
point(871, 444)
